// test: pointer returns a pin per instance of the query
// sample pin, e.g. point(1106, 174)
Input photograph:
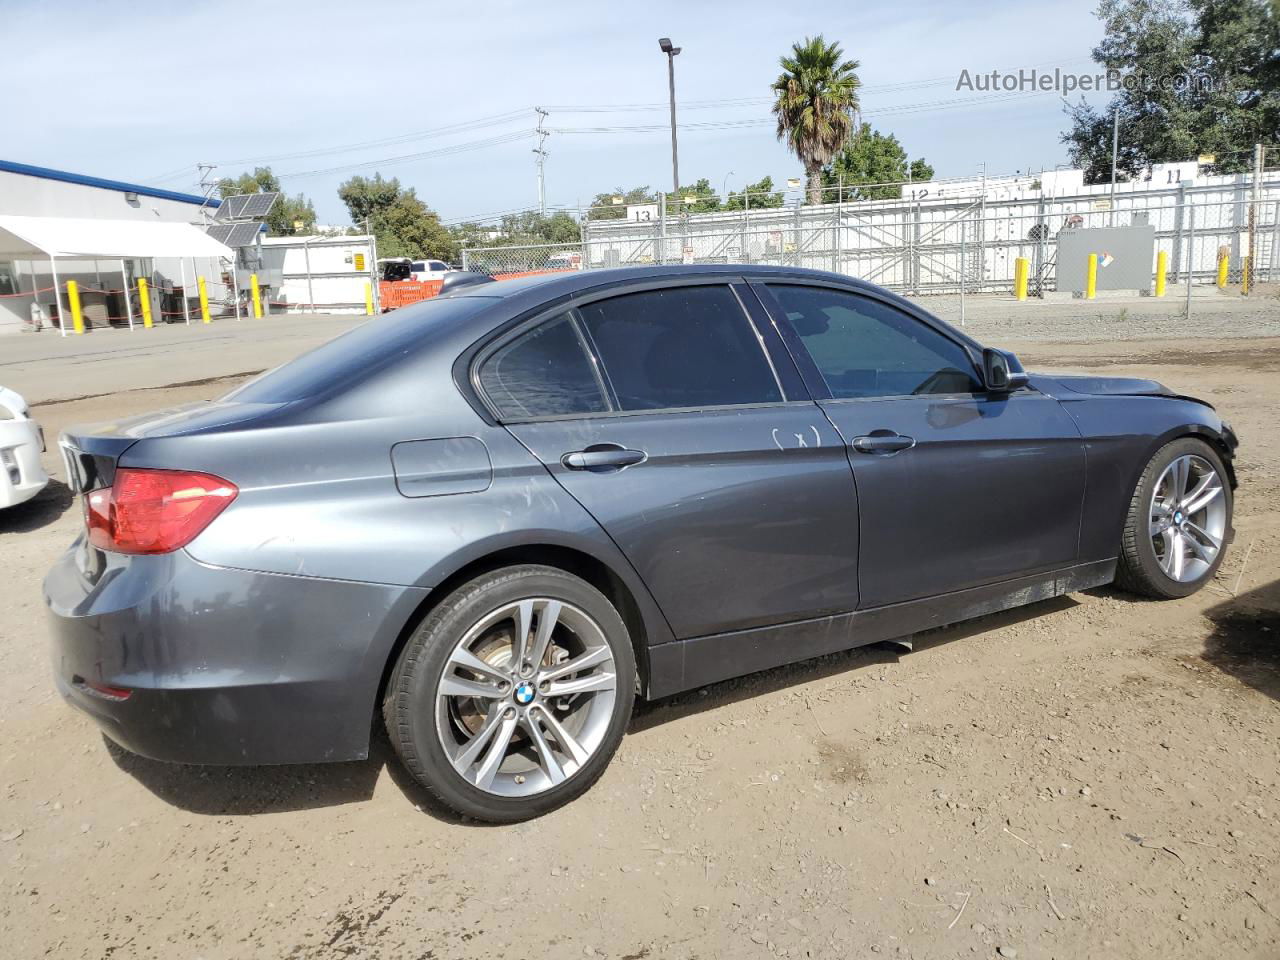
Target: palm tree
point(817, 96)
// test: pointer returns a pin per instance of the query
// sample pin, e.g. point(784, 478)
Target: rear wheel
point(1178, 524)
point(512, 695)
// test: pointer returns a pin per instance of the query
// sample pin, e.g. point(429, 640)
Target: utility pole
point(207, 185)
point(664, 44)
point(1115, 149)
point(542, 133)
point(1249, 278)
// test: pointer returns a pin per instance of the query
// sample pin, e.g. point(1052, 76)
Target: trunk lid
point(90, 452)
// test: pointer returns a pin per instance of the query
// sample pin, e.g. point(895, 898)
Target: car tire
point(1154, 547)
point(434, 731)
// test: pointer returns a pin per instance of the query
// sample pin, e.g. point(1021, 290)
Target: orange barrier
point(401, 293)
point(532, 273)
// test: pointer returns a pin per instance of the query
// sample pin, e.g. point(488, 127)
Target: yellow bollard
point(1021, 267)
point(368, 298)
point(1162, 269)
point(73, 300)
point(1091, 278)
point(257, 296)
point(1245, 270)
point(1223, 264)
point(204, 300)
point(144, 298)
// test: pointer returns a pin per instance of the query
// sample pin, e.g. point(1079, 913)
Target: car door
point(957, 487)
point(660, 410)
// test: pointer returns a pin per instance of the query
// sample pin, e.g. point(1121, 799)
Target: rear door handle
point(603, 458)
point(883, 441)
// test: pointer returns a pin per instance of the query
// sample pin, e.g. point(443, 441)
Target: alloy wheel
point(1188, 518)
point(526, 696)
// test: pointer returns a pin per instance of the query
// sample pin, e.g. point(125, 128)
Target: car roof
point(553, 285)
point(525, 293)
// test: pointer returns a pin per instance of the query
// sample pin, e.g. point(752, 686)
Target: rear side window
point(865, 348)
point(681, 347)
point(544, 373)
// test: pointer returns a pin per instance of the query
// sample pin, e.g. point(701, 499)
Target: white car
point(22, 475)
point(428, 269)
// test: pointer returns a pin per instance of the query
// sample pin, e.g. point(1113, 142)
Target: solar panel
point(220, 231)
point(233, 207)
point(259, 204)
point(243, 234)
point(235, 234)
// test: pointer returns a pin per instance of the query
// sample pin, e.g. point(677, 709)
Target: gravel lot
point(1093, 776)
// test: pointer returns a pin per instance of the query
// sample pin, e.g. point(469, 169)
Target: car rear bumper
point(221, 666)
point(22, 475)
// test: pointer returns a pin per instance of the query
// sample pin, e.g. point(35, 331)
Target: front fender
point(1121, 434)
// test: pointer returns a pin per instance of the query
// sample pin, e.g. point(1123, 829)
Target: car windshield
point(366, 348)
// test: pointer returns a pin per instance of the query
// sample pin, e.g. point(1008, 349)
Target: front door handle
point(883, 441)
point(602, 458)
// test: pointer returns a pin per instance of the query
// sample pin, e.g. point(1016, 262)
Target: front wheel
point(512, 695)
point(1178, 524)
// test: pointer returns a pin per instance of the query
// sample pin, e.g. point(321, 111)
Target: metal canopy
point(77, 237)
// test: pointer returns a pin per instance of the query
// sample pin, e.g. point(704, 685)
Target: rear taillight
point(154, 511)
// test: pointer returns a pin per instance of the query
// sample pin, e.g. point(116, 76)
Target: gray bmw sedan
point(492, 520)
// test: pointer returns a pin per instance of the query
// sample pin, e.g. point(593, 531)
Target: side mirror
point(1002, 371)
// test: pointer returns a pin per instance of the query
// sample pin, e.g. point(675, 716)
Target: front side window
point(681, 347)
point(543, 373)
point(864, 348)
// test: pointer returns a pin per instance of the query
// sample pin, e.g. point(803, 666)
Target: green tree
point(604, 208)
point(285, 213)
point(403, 224)
point(871, 166)
point(1200, 76)
point(816, 97)
point(702, 194)
point(531, 227)
point(755, 196)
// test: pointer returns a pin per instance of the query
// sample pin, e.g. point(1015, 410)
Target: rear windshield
point(346, 359)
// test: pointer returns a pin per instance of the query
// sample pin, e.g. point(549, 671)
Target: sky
point(321, 90)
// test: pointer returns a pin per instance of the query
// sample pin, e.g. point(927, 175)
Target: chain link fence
point(509, 262)
point(923, 246)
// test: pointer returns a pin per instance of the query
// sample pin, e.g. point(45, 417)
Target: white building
point(329, 273)
point(29, 191)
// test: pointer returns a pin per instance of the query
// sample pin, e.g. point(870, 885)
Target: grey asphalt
point(46, 367)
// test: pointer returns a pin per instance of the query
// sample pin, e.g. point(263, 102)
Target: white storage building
point(26, 273)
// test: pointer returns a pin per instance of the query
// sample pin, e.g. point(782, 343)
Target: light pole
point(725, 186)
point(1115, 149)
point(665, 44)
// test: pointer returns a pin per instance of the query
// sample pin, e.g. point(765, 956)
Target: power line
point(424, 155)
point(959, 103)
point(542, 132)
point(754, 101)
point(461, 127)
point(478, 218)
point(174, 174)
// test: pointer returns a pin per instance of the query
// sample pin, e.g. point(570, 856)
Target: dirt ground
point(1093, 776)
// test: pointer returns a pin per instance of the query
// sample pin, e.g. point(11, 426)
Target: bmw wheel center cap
point(524, 694)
